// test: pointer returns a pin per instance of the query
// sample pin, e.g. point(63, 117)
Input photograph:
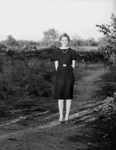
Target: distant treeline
point(50, 38)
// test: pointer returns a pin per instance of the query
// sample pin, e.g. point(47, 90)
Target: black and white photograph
point(57, 75)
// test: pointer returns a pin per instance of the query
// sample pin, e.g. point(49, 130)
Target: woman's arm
point(73, 63)
point(56, 64)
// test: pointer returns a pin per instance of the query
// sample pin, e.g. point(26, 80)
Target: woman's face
point(64, 41)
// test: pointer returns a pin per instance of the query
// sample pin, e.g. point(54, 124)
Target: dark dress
point(64, 76)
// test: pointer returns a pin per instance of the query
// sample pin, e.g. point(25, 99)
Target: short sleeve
point(74, 55)
point(54, 56)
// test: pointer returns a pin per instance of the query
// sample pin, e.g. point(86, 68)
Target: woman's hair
point(64, 35)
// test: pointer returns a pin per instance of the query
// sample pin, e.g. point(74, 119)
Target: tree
point(109, 32)
point(91, 42)
point(77, 41)
point(11, 41)
point(108, 45)
point(50, 36)
point(2, 47)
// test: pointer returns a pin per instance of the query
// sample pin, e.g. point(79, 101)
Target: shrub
point(34, 84)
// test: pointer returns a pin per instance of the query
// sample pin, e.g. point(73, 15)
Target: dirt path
point(86, 88)
point(47, 133)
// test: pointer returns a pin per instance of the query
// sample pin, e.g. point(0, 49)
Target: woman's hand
point(56, 65)
point(73, 63)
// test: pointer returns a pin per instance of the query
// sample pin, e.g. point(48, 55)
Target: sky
point(28, 19)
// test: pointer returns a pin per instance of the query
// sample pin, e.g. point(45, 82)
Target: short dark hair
point(64, 35)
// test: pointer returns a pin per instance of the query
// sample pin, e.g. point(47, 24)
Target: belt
point(65, 65)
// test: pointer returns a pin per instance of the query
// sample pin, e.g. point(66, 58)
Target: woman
point(64, 58)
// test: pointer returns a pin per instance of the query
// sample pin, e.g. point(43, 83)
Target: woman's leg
point(68, 106)
point(61, 107)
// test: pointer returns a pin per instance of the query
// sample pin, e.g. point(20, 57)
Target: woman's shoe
point(61, 122)
point(66, 121)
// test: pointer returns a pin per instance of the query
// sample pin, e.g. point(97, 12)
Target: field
point(29, 113)
point(86, 48)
